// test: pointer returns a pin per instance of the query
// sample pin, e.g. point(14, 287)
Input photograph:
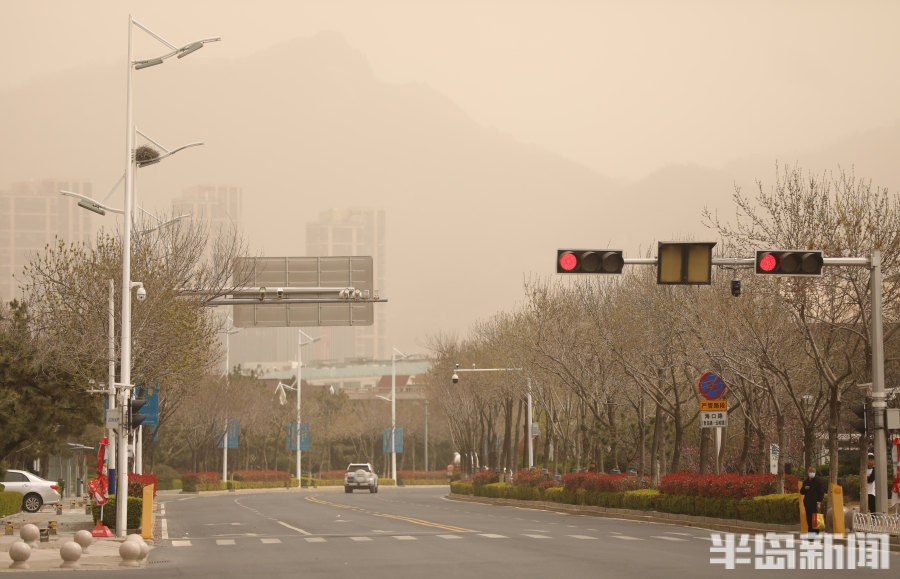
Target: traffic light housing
point(860, 423)
point(589, 261)
point(780, 262)
point(134, 417)
point(736, 288)
point(684, 263)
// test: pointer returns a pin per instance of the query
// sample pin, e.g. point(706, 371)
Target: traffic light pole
point(879, 403)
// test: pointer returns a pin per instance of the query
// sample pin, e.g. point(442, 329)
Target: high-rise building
point(32, 214)
point(217, 205)
point(353, 231)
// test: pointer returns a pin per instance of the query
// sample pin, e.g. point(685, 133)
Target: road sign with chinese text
point(713, 419)
point(713, 406)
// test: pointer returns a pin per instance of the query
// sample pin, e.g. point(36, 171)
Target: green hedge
point(459, 487)
point(774, 509)
point(10, 502)
point(135, 506)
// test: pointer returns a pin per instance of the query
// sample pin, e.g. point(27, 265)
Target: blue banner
point(386, 440)
point(292, 436)
point(234, 432)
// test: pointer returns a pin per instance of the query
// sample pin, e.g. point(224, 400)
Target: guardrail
point(876, 523)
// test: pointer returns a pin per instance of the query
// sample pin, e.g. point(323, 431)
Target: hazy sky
point(617, 85)
point(623, 88)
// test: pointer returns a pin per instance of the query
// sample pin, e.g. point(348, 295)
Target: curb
point(711, 523)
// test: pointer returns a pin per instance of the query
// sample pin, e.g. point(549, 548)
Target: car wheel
point(32, 503)
point(348, 490)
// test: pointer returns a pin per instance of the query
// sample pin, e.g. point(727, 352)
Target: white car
point(360, 476)
point(36, 492)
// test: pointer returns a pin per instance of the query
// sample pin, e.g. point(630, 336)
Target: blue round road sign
point(711, 386)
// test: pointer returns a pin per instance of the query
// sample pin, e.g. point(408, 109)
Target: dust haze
point(490, 132)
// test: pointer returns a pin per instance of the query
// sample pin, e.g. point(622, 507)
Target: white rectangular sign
point(713, 419)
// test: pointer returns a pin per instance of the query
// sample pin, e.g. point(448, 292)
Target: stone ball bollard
point(85, 539)
point(30, 534)
point(130, 551)
point(136, 537)
point(145, 548)
point(19, 552)
point(70, 553)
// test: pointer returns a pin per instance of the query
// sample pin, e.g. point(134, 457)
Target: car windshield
point(354, 467)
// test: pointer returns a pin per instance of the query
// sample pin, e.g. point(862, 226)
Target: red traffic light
point(768, 262)
point(568, 261)
point(789, 262)
point(589, 261)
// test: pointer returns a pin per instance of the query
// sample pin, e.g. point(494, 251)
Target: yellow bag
point(820, 521)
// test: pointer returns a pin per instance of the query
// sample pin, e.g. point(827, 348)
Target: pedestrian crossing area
point(531, 535)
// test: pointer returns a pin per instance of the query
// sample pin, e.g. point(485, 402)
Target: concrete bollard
point(70, 553)
point(45, 535)
point(58, 508)
point(85, 539)
point(30, 534)
point(53, 526)
point(19, 552)
point(130, 552)
point(9, 527)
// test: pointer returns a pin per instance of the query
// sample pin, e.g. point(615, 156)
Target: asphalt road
point(405, 533)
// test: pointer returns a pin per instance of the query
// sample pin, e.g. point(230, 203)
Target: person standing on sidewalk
point(813, 492)
point(870, 482)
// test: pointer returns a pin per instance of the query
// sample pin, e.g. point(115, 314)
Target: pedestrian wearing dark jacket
point(813, 491)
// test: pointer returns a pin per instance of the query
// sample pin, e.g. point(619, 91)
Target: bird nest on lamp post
point(145, 153)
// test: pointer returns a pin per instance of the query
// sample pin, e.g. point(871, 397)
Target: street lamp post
point(127, 284)
point(394, 353)
point(301, 334)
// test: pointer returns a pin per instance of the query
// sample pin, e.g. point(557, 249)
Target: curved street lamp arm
point(93, 202)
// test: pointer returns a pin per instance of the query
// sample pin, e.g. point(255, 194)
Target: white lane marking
point(626, 538)
point(164, 529)
point(450, 536)
point(492, 536)
point(181, 543)
point(301, 531)
point(224, 541)
point(360, 538)
point(315, 539)
point(405, 538)
point(162, 510)
point(537, 536)
point(270, 541)
point(704, 538)
point(663, 537)
point(583, 537)
point(677, 533)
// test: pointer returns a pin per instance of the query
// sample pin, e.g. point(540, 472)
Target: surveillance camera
point(736, 288)
point(141, 293)
point(280, 293)
point(455, 378)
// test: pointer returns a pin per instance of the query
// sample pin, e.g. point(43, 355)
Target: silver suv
point(360, 476)
point(36, 492)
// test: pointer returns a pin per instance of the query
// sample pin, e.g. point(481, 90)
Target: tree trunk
point(655, 445)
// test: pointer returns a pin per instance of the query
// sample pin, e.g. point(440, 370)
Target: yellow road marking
point(316, 499)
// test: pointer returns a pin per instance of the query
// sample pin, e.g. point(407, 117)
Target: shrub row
point(201, 481)
point(605, 483)
point(728, 485)
point(137, 482)
point(10, 502)
point(133, 513)
point(264, 476)
point(773, 508)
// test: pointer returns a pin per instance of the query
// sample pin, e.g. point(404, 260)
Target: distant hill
point(306, 126)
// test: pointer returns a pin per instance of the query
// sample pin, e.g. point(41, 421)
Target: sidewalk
point(102, 554)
